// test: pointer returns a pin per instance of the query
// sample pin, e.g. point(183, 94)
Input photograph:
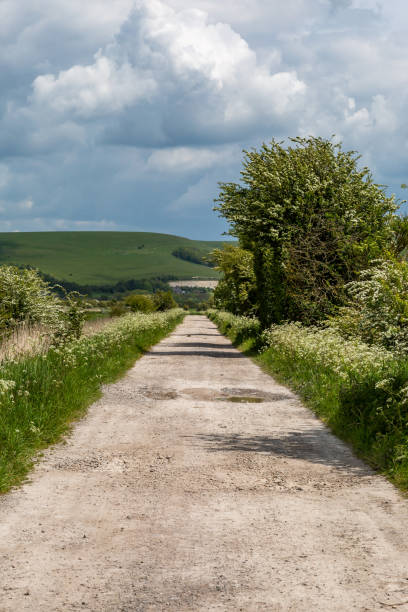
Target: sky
point(125, 114)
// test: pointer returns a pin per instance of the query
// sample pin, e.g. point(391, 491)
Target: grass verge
point(360, 391)
point(41, 395)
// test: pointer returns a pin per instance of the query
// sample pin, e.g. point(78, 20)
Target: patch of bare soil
point(176, 493)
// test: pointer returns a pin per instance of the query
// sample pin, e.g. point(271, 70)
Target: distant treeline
point(192, 255)
point(107, 291)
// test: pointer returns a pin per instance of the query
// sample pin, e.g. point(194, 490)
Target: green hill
point(105, 257)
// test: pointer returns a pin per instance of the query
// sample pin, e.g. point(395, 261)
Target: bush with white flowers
point(378, 308)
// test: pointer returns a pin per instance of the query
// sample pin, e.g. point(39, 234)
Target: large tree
point(312, 218)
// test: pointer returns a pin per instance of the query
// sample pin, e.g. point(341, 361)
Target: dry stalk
point(26, 340)
point(93, 327)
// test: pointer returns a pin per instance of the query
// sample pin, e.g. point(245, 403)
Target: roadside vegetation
point(317, 290)
point(52, 366)
point(41, 394)
point(197, 299)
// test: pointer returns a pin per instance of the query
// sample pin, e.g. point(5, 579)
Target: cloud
point(29, 30)
point(196, 195)
point(100, 88)
point(16, 209)
point(40, 224)
point(185, 159)
point(5, 175)
point(26, 204)
point(144, 105)
point(187, 75)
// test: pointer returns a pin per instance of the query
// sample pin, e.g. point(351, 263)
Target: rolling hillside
point(104, 257)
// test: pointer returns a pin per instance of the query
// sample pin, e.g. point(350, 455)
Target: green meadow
point(104, 257)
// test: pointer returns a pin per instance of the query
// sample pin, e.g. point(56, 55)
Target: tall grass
point(359, 390)
point(95, 326)
point(41, 394)
point(28, 340)
point(25, 340)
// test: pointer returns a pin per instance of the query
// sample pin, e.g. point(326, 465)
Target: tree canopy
point(312, 219)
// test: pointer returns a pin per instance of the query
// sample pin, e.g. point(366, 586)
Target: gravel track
point(174, 494)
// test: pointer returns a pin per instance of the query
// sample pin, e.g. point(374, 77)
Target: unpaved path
point(168, 498)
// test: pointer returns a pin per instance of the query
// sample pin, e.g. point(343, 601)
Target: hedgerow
point(238, 328)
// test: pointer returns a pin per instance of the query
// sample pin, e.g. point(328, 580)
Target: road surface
point(198, 483)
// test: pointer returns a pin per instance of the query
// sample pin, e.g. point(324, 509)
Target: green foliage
point(163, 300)
point(238, 328)
point(399, 245)
point(72, 318)
point(312, 220)
point(117, 309)
point(192, 254)
point(140, 303)
point(111, 291)
point(194, 298)
point(41, 395)
point(160, 301)
point(26, 298)
point(377, 312)
point(236, 291)
point(328, 350)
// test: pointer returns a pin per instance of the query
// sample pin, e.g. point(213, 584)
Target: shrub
point(72, 318)
point(328, 350)
point(140, 303)
point(117, 309)
point(238, 328)
point(163, 300)
point(378, 308)
point(26, 298)
point(360, 390)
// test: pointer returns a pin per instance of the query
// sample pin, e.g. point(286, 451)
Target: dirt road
point(174, 495)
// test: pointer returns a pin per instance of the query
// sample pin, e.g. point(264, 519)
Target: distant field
point(203, 284)
point(104, 257)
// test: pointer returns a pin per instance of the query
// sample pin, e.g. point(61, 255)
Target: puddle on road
point(241, 399)
point(227, 394)
point(253, 395)
point(236, 395)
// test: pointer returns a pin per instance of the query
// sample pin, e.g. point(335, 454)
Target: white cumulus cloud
point(100, 88)
point(183, 68)
point(185, 159)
